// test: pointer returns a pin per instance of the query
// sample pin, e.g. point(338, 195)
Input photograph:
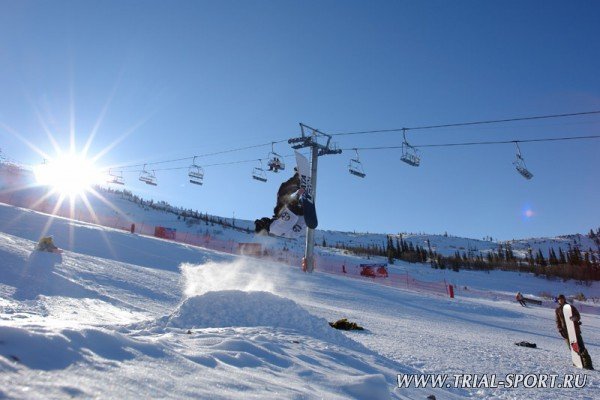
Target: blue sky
point(160, 80)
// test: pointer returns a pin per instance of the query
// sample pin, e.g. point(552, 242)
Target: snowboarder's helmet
point(561, 296)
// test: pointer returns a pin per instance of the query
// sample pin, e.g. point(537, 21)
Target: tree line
point(573, 263)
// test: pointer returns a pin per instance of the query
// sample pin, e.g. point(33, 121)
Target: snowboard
point(573, 343)
point(288, 225)
point(532, 301)
point(308, 202)
point(284, 223)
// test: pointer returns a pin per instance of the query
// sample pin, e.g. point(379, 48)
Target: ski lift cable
point(496, 121)
point(479, 143)
point(390, 148)
point(208, 165)
point(122, 167)
point(318, 132)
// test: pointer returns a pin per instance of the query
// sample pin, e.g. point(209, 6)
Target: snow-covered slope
point(128, 316)
point(193, 324)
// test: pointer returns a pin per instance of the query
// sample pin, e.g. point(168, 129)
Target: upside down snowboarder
point(295, 209)
point(572, 335)
point(288, 197)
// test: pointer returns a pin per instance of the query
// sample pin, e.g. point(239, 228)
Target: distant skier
point(288, 195)
point(561, 325)
point(520, 299)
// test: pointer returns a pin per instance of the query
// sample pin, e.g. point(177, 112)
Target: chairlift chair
point(519, 164)
point(355, 166)
point(258, 173)
point(409, 153)
point(330, 148)
point(147, 177)
point(196, 173)
point(116, 179)
point(274, 161)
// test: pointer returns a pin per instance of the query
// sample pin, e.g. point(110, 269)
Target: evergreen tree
point(552, 260)
point(398, 249)
point(500, 252)
point(529, 257)
point(561, 256)
point(539, 259)
point(574, 256)
point(586, 260)
point(509, 255)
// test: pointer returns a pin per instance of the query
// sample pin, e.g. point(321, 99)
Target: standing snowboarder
point(520, 299)
point(563, 329)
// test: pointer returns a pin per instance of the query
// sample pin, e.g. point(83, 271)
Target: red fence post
point(451, 291)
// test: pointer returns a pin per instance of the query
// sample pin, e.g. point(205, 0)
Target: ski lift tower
point(309, 138)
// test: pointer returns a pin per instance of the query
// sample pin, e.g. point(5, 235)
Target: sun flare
point(68, 174)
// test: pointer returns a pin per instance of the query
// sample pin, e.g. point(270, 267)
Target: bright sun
point(68, 174)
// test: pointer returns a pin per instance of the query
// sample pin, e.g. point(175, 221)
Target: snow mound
point(236, 308)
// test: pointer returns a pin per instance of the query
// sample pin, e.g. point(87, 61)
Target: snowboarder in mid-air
point(288, 196)
point(563, 329)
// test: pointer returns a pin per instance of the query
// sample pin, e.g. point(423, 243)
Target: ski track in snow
point(110, 318)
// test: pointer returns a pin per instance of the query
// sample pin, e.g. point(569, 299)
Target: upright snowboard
point(574, 344)
point(308, 201)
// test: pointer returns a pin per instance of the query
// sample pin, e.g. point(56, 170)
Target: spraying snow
point(214, 276)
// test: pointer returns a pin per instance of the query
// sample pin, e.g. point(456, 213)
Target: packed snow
point(121, 315)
